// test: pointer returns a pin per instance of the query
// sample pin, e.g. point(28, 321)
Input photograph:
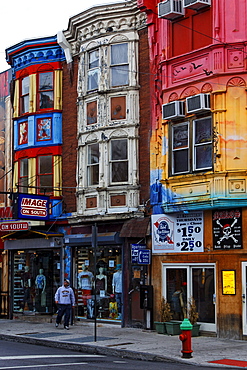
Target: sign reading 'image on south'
point(177, 233)
point(227, 229)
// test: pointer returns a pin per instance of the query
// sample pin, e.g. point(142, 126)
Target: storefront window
point(36, 278)
point(103, 282)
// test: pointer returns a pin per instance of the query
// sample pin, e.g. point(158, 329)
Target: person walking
point(65, 299)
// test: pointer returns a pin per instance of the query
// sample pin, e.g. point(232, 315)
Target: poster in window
point(92, 112)
point(227, 229)
point(23, 133)
point(228, 281)
point(177, 233)
point(44, 129)
point(118, 108)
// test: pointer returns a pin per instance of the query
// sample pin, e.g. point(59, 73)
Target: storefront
point(98, 275)
point(36, 269)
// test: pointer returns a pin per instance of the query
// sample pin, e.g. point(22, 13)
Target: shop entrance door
point(183, 282)
point(244, 297)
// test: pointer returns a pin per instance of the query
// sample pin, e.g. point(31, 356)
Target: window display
point(103, 282)
point(36, 277)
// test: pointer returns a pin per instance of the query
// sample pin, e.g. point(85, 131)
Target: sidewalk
point(126, 342)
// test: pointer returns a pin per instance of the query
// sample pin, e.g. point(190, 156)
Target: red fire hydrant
point(185, 337)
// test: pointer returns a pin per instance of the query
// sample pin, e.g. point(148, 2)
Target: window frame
point(39, 176)
point(191, 146)
point(93, 69)
point(92, 166)
point(113, 161)
point(49, 90)
point(115, 66)
point(23, 187)
point(24, 95)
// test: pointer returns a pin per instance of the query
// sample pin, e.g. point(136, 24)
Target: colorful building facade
point(36, 255)
point(198, 159)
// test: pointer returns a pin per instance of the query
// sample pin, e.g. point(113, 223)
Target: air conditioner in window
point(170, 9)
point(173, 110)
point(198, 103)
point(196, 4)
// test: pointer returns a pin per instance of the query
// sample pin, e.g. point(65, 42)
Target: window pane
point(46, 100)
point(46, 181)
point(24, 167)
point(180, 136)
point(46, 81)
point(180, 161)
point(45, 164)
point(203, 131)
point(93, 175)
point(120, 75)
point(94, 59)
point(93, 79)
point(119, 149)
point(93, 153)
point(120, 171)
point(203, 156)
point(119, 53)
point(25, 86)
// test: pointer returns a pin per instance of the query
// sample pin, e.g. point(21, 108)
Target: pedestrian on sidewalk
point(65, 300)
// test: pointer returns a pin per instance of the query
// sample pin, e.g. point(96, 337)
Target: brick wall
point(69, 135)
point(145, 124)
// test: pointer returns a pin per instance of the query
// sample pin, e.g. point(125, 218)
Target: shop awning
point(32, 239)
point(136, 228)
point(86, 239)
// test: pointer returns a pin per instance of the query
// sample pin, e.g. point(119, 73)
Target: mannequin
point(101, 281)
point(85, 280)
point(40, 284)
point(117, 288)
point(26, 285)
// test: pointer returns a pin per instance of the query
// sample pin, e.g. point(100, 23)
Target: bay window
point(192, 148)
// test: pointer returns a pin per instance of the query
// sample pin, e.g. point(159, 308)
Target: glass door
point(180, 283)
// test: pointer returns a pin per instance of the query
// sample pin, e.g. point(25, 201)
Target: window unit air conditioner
point(198, 103)
point(173, 110)
point(170, 9)
point(196, 4)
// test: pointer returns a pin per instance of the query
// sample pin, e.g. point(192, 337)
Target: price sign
point(180, 232)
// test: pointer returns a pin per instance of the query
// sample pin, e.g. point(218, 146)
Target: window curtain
point(58, 90)
point(57, 178)
point(16, 99)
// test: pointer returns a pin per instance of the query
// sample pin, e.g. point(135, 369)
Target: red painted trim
point(34, 68)
point(35, 152)
point(33, 46)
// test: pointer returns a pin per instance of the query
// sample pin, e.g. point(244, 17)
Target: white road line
point(47, 365)
point(27, 357)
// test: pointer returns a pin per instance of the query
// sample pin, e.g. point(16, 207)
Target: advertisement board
point(32, 207)
point(177, 233)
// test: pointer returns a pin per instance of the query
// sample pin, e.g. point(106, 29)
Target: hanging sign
point(33, 207)
point(177, 233)
point(14, 226)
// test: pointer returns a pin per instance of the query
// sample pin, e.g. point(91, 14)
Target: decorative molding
point(236, 82)
point(173, 97)
point(189, 91)
point(207, 88)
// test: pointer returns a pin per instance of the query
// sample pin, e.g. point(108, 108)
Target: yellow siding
point(58, 90)
point(57, 182)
